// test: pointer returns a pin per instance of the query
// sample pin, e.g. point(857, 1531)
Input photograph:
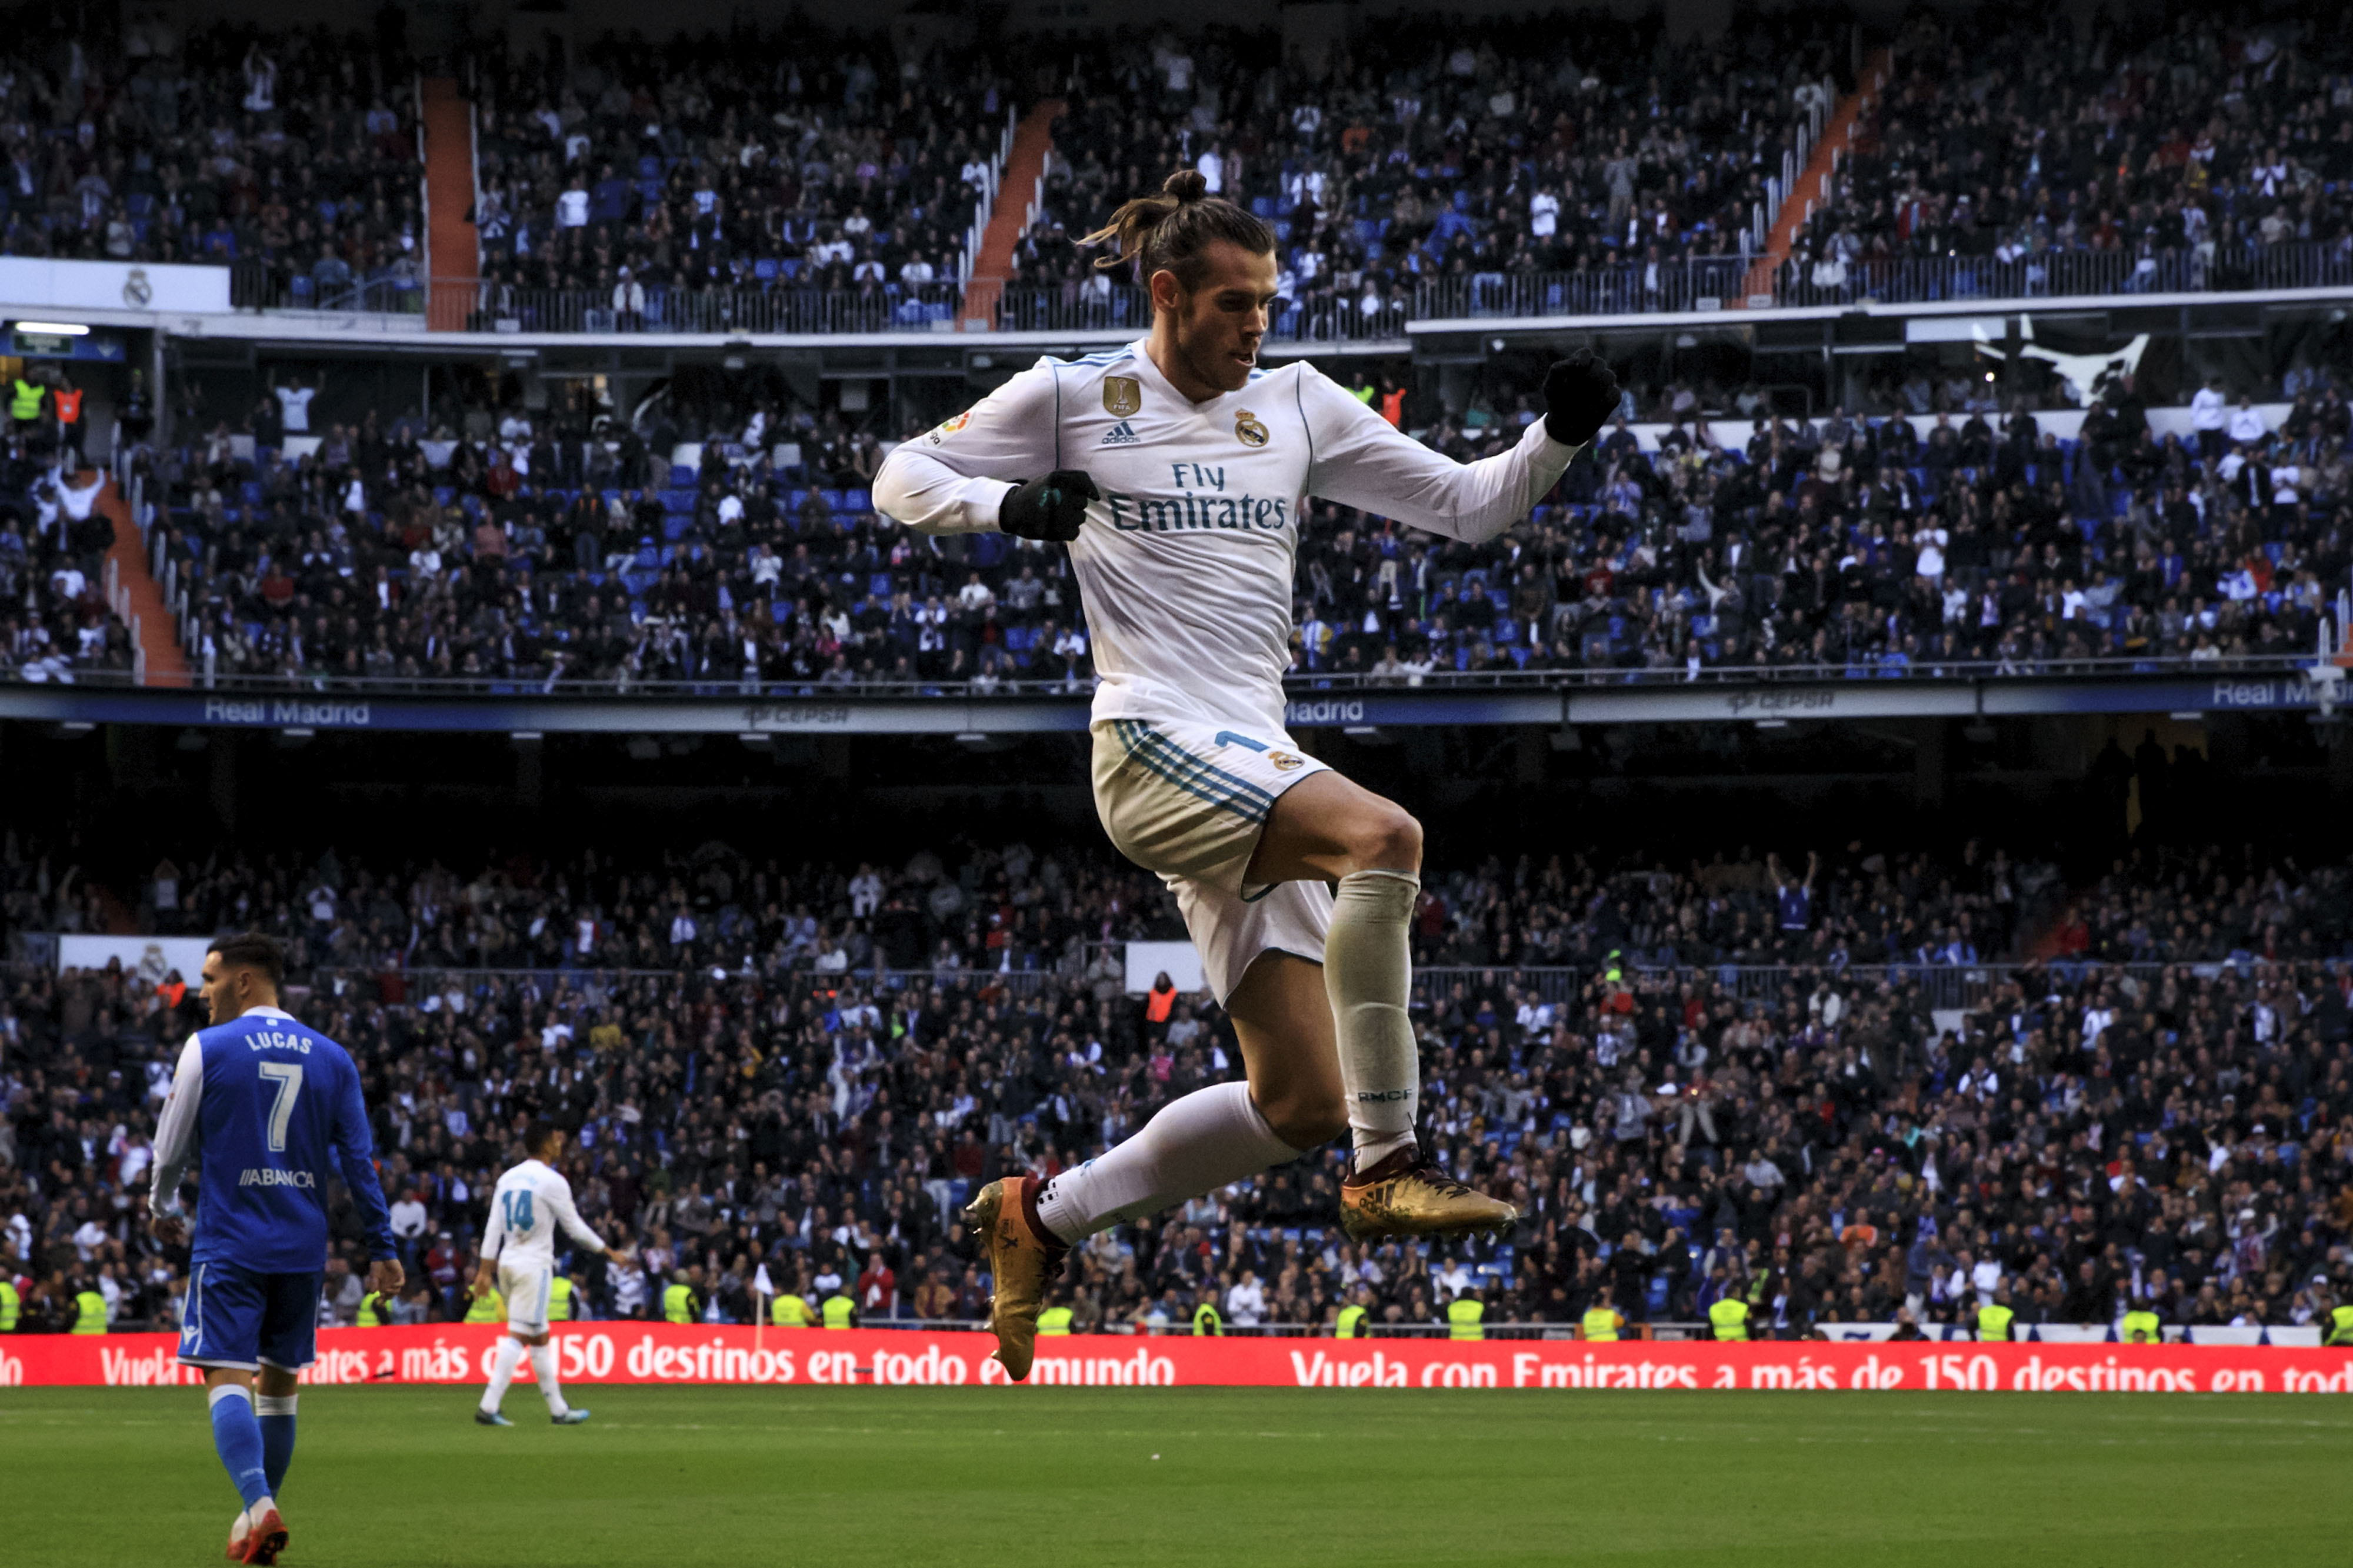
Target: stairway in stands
point(450, 249)
point(1017, 205)
point(1814, 182)
point(139, 599)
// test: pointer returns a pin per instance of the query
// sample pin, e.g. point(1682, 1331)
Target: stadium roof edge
point(387, 331)
point(406, 333)
point(2046, 305)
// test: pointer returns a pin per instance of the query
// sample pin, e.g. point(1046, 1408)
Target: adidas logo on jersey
point(1122, 435)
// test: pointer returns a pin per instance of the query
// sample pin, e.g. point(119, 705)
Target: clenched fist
point(1579, 394)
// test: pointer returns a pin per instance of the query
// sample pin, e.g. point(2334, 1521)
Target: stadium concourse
point(1865, 1087)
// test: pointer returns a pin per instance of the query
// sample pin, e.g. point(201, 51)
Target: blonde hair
point(1168, 230)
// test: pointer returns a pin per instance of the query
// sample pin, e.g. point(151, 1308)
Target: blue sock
point(237, 1435)
point(275, 1414)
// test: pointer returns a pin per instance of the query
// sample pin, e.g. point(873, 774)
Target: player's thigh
point(290, 1320)
point(1191, 800)
point(526, 1290)
point(1331, 826)
point(223, 1323)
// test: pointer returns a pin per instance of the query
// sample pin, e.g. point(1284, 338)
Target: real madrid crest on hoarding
point(1123, 395)
point(1248, 430)
point(137, 291)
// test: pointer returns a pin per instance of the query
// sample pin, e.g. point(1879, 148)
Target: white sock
point(543, 1362)
point(1369, 975)
point(1195, 1145)
point(502, 1371)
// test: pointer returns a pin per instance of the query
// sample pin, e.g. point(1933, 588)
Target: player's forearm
point(928, 496)
point(175, 1130)
point(1481, 500)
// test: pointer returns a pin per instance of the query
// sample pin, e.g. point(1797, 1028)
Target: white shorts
point(526, 1289)
point(1189, 801)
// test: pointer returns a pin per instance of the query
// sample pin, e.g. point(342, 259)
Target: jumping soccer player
point(1174, 468)
point(272, 1110)
point(519, 1250)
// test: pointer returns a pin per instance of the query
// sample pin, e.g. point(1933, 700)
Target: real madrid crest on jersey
point(1123, 395)
point(1248, 430)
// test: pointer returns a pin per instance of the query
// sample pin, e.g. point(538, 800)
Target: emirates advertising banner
point(628, 1352)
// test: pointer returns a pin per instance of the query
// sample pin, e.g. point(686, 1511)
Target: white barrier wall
point(30, 284)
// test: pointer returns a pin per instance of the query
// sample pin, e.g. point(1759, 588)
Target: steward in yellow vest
point(490, 1307)
point(837, 1310)
point(89, 1312)
point(1464, 1315)
point(1994, 1319)
point(372, 1308)
point(559, 1299)
point(25, 401)
point(1602, 1320)
point(1351, 1325)
point(1728, 1316)
point(12, 1305)
point(792, 1311)
point(1206, 1319)
point(2143, 1327)
point(1054, 1321)
point(2341, 1325)
point(678, 1299)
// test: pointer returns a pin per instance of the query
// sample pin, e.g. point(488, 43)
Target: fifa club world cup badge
point(1123, 395)
point(1248, 430)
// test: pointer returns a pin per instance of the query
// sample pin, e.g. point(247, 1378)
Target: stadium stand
point(58, 622)
point(293, 154)
point(638, 176)
point(1479, 155)
point(735, 547)
point(1868, 1089)
point(2168, 150)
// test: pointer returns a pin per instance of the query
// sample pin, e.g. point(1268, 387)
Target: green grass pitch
point(394, 1477)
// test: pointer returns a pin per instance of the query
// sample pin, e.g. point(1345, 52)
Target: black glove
point(1051, 508)
point(1579, 394)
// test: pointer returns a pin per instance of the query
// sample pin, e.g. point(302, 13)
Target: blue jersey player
point(268, 1111)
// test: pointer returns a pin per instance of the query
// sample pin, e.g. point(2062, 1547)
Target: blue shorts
point(240, 1318)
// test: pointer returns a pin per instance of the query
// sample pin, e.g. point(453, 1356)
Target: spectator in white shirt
point(2247, 426)
point(2210, 414)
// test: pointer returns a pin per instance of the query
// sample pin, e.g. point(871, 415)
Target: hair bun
point(1187, 185)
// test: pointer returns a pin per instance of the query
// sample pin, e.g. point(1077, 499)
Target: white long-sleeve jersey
point(1186, 563)
point(526, 1207)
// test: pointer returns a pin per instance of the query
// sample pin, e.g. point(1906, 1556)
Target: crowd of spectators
point(734, 162)
point(2184, 141)
point(2051, 1096)
point(533, 549)
point(1879, 546)
point(55, 622)
point(1428, 149)
point(297, 149)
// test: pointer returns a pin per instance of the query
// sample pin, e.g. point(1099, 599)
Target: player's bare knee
point(1390, 840)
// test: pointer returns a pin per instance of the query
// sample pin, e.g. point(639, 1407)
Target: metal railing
point(1308, 686)
point(1644, 971)
point(1624, 289)
point(2302, 264)
point(460, 304)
